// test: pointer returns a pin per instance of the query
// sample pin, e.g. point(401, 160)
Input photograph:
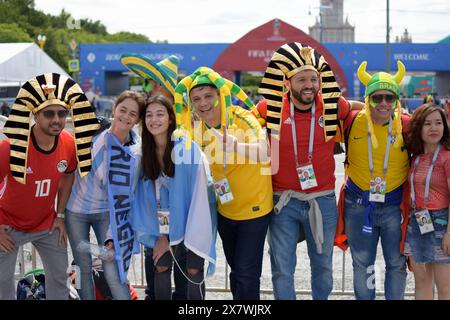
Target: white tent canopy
point(2, 123)
point(20, 62)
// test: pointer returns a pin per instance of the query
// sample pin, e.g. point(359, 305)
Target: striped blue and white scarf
point(120, 177)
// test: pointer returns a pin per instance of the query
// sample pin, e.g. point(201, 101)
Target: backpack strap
point(405, 126)
point(348, 123)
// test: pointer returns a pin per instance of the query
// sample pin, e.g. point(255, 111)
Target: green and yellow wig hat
point(164, 72)
point(286, 61)
point(207, 76)
point(36, 94)
point(383, 81)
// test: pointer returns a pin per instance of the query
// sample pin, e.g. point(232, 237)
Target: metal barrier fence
point(29, 256)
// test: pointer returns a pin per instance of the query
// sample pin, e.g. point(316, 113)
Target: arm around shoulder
point(262, 108)
point(356, 105)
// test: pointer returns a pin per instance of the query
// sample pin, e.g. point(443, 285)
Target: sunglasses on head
point(378, 98)
point(50, 114)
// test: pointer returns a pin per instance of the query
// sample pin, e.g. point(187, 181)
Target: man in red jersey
point(37, 164)
point(302, 107)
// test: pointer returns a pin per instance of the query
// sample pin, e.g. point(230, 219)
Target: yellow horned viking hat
point(286, 61)
point(36, 94)
point(383, 81)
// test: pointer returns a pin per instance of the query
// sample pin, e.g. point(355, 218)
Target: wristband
point(61, 215)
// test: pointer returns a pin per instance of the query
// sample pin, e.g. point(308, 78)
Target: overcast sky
point(212, 21)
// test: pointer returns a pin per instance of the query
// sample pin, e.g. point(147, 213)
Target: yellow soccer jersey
point(250, 182)
point(358, 158)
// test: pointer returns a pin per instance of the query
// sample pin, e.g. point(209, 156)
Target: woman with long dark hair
point(171, 208)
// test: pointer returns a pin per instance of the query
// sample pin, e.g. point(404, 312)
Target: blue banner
point(120, 175)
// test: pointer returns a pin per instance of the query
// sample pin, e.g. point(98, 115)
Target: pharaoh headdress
point(287, 61)
point(36, 94)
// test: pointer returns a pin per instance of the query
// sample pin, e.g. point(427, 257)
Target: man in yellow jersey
point(236, 147)
point(377, 166)
point(160, 79)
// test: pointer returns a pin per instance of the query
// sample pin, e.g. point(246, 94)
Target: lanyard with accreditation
point(305, 172)
point(378, 184)
point(423, 216)
point(162, 200)
point(222, 186)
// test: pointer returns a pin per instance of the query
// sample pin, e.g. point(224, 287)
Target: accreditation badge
point(163, 218)
point(424, 221)
point(223, 190)
point(377, 190)
point(306, 176)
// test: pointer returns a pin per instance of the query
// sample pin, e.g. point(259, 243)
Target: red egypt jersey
point(286, 177)
point(30, 207)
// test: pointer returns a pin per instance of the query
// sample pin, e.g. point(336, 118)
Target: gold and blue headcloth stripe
point(36, 94)
point(286, 61)
point(164, 72)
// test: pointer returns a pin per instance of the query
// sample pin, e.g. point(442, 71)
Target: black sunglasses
point(50, 114)
point(378, 98)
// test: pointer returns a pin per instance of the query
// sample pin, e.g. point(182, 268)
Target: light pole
point(388, 45)
point(41, 40)
point(321, 26)
point(73, 45)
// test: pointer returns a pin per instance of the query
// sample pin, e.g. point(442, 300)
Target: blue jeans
point(243, 244)
point(181, 284)
point(284, 230)
point(387, 226)
point(54, 260)
point(427, 248)
point(78, 226)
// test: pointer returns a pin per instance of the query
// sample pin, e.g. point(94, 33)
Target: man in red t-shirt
point(303, 123)
point(37, 165)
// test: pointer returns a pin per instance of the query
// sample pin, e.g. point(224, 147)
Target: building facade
point(330, 25)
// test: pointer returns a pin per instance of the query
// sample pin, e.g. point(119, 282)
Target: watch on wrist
point(60, 215)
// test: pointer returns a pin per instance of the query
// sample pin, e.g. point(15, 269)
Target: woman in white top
point(93, 200)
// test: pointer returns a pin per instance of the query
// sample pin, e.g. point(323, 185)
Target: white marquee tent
point(20, 62)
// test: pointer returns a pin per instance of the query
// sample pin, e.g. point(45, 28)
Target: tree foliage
point(21, 22)
point(13, 33)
